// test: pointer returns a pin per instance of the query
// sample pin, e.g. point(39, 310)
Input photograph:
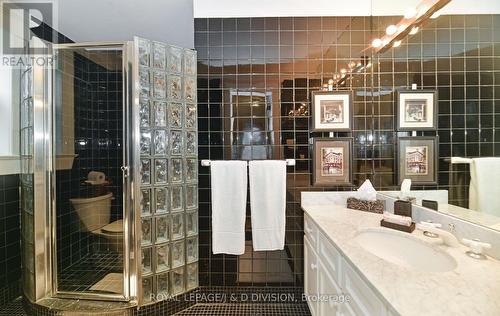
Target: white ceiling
point(168, 21)
point(263, 8)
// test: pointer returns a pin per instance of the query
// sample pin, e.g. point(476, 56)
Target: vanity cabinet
point(328, 275)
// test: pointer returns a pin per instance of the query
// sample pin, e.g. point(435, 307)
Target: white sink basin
point(405, 250)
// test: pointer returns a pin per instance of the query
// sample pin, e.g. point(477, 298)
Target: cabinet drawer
point(363, 301)
point(331, 257)
point(311, 231)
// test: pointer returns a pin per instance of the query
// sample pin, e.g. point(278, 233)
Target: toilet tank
point(94, 212)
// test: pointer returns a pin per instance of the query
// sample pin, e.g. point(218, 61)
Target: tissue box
point(377, 206)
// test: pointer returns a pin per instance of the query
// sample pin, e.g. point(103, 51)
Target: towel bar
point(206, 162)
point(456, 160)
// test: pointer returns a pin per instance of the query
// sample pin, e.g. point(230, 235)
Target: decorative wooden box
point(377, 206)
point(402, 228)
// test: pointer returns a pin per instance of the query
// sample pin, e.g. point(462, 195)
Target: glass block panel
point(144, 81)
point(190, 88)
point(191, 223)
point(162, 286)
point(175, 115)
point(161, 200)
point(144, 52)
point(177, 281)
point(159, 85)
point(160, 142)
point(159, 56)
point(189, 62)
point(145, 171)
point(174, 59)
point(191, 196)
point(144, 113)
point(145, 143)
point(160, 113)
point(177, 226)
point(26, 82)
point(146, 231)
point(192, 276)
point(176, 199)
point(174, 87)
point(162, 258)
point(162, 229)
point(175, 143)
point(192, 249)
point(176, 170)
point(26, 113)
point(145, 202)
point(191, 146)
point(191, 170)
point(147, 289)
point(177, 254)
point(191, 116)
point(146, 260)
point(160, 170)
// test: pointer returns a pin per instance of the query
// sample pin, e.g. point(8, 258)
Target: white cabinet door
point(363, 301)
point(310, 275)
point(329, 291)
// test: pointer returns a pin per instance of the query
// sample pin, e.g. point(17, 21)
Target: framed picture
point(332, 161)
point(417, 159)
point(332, 111)
point(417, 110)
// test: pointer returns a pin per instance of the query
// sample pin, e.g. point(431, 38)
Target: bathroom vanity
point(355, 267)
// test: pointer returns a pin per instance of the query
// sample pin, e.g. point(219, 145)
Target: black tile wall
point(98, 138)
point(10, 238)
point(240, 60)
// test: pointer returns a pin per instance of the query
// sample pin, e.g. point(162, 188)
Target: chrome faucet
point(433, 230)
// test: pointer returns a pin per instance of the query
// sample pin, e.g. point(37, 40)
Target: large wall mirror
point(442, 82)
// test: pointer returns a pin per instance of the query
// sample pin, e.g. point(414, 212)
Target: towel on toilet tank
point(268, 202)
point(229, 199)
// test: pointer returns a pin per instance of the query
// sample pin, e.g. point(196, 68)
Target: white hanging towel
point(484, 192)
point(229, 199)
point(268, 202)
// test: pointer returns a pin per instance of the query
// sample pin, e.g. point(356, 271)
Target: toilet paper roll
point(96, 177)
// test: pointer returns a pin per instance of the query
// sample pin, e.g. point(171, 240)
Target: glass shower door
point(88, 182)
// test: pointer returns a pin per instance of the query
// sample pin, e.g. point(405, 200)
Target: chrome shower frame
point(45, 249)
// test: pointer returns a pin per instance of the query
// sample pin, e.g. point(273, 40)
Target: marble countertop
point(473, 288)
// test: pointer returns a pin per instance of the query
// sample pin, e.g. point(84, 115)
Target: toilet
point(95, 214)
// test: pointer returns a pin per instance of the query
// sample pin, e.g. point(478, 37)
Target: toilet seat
point(113, 228)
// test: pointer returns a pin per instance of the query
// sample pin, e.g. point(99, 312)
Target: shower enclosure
point(109, 173)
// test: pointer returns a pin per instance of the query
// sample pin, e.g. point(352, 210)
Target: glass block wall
point(168, 169)
point(26, 182)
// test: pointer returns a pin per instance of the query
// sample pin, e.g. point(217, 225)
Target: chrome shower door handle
point(125, 170)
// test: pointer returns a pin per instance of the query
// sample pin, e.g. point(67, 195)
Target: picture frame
point(418, 159)
point(332, 161)
point(417, 110)
point(331, 111)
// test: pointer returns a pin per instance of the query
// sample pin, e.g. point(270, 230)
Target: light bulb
point(343, 71)
point(410, 13)
point(376, 42)
point(396, 44)
point(391, 29)
point(414, 30)
point(436, 14)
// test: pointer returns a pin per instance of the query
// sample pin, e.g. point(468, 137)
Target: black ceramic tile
point(449, 54)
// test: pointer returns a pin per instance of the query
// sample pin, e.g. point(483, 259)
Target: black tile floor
point(14, 308)
point(247, 309)
point(206, 309)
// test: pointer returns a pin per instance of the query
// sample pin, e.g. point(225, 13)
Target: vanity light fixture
point(414, 18)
